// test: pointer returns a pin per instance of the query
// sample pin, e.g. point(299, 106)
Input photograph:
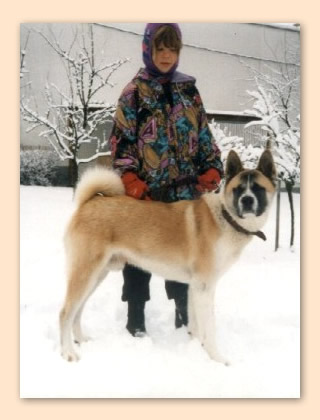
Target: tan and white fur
point(188, 241)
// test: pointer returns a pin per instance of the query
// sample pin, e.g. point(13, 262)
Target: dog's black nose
point(247, 202)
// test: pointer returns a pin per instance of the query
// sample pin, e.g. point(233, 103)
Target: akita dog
point(193, 242)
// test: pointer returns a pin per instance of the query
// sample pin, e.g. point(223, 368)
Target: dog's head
point(248, 192)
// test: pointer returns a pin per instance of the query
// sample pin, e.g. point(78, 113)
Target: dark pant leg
point(176, 290)
point(136, 292)
point(136, 284)
point(179, 292)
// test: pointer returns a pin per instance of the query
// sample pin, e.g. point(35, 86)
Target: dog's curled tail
point(98, 180)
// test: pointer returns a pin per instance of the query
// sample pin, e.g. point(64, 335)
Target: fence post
point(278, 215)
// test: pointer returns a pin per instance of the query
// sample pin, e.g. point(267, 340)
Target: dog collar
point(239, 228)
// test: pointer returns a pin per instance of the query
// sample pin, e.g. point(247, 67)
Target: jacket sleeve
point(123, 138)
point(209, 155)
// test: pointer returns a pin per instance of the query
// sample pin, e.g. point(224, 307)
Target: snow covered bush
point(249, 155)
point(284, 132)
point(38, 167)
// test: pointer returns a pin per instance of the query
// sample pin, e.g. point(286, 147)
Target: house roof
point(244, 115)
point(288, 26)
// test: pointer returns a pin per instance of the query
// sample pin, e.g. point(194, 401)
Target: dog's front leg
point(192, 321)
point(202, 298)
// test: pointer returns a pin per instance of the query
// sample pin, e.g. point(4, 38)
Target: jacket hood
point(149, 33)
point(177, 77)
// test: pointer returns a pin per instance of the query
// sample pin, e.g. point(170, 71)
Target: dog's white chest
point(226, 253)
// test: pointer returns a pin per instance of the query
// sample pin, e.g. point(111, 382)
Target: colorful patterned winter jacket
point(167, 146)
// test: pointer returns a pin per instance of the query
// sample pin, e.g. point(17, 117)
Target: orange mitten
point(209, 181)
point(134, 186)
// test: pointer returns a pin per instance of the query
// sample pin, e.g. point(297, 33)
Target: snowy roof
point(289, 26)
point(231, 113)
point(138, 27)
point(217, 37)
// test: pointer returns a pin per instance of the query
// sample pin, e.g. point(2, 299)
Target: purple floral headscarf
point(149, 33)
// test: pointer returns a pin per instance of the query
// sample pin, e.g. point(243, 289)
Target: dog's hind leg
point(78, 335)
point(82, 282)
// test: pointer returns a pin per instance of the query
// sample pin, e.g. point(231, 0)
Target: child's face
point(164, 58)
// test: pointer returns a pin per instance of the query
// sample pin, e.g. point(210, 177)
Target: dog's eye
point(256, 187)
point(238, 190)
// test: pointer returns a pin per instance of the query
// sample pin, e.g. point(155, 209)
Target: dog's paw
point(219, 359)
point(81, 338)
point(70, 356)
point(215, 356)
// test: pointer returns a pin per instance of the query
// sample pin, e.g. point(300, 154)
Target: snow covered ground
point(258, 322)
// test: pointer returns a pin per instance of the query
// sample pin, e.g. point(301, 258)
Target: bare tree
point(23, 52)
point(73, 115)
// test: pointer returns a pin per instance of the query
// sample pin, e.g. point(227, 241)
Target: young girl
point(162, 145)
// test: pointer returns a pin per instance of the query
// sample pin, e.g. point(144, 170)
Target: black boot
point(181, 312)
point(136, 323)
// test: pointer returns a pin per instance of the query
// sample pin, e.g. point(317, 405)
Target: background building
point(222, 57)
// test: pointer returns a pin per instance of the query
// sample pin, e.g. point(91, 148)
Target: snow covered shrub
point(226, 142)
point(283, 130)
point(38, 167)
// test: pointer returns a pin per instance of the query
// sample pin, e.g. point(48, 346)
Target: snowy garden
point(257, 301)
point(258, 319)
point(258, 304)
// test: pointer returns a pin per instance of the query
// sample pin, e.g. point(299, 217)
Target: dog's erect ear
point(266, 165)
point(233, 165)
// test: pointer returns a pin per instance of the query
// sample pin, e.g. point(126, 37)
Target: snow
point(258, 317)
